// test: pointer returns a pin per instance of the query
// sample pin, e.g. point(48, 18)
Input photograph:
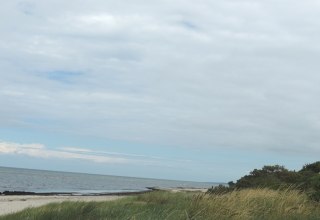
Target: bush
point(218, 190)
point(278, 177)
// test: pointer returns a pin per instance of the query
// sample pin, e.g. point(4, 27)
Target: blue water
point(40, 181)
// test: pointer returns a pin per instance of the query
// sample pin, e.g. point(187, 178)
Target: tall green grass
point(243, 204)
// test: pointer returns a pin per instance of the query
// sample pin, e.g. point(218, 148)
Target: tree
point(273, 176)
point(313, 167)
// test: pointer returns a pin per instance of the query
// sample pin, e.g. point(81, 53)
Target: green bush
point(218, 190)
point(278, 177)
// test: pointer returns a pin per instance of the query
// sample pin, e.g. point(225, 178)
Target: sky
point(189, 90)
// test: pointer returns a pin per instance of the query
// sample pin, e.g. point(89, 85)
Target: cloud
point(139, 157)
point(40, 151)
point(76, 153)
point(206, 75)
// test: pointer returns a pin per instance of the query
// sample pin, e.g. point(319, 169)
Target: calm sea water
point(16, 179)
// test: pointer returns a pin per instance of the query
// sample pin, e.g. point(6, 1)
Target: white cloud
point(40, 151)
point(76, 149)
point(69, 153)
point(139, 157)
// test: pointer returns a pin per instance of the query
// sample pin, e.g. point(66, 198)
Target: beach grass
point(239, 204)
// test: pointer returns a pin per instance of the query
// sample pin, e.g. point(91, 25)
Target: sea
point(43, 181)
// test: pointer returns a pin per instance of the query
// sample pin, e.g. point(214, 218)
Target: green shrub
point(220, 189)
point(278, 177)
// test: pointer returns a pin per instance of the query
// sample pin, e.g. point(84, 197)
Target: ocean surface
point(40, 181)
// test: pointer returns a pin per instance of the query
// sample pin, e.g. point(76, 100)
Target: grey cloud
point(210, 74)
point(26, 8)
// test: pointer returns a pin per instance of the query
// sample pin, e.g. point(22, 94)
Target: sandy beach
point(10, 204)
point(15, 203)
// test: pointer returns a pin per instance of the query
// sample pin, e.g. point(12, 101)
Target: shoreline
point(120, 193)
point(16, 201)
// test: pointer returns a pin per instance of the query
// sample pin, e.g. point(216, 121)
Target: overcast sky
point(197, 90)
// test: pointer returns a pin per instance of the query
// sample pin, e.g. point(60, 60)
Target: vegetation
point(278, 177)
point(239, 204)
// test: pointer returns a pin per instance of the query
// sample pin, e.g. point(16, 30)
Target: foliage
point(313, 167)
point(278, 177)
point(220, 189)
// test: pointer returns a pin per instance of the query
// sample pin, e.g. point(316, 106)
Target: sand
point(11, 204)
point(200, 190)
